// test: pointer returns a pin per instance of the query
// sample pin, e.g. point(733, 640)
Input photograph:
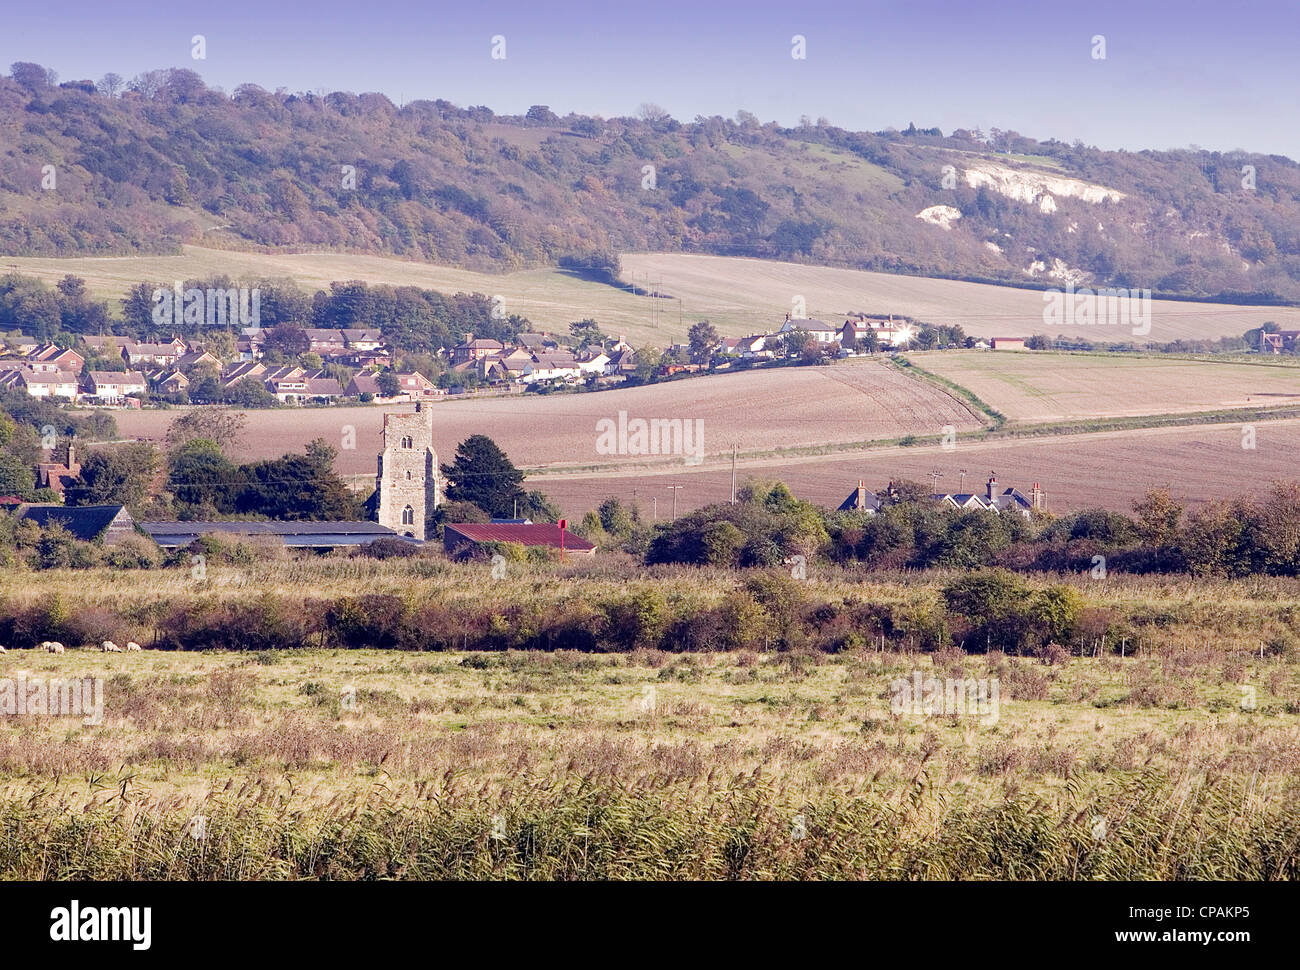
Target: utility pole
point(935, 475)
point(655, 514)
point(675, 490)
point(733, 473)
point(962, 473)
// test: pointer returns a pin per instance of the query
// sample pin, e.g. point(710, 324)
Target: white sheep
point(132, 646)
point(52, 646)
point(108, 646)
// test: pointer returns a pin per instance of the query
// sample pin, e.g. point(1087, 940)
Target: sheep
point(52, 646)
point(132, 646)
point(108, 646)
point(3, 650)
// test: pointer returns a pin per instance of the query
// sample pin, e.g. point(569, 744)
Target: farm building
point(463, 537)
point(297, 535)
point(1007, 343)
point(89, 523)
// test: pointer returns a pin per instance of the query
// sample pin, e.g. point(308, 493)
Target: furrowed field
point(821, 429)
point(1172, 752)
point(758, 411)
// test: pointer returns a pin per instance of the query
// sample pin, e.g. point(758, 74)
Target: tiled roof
point(540, 534)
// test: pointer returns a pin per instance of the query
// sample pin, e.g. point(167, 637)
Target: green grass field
point(1176, 760)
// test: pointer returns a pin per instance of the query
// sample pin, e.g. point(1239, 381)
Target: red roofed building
point(458, 538)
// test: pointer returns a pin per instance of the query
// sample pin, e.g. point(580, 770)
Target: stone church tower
point(407, 483)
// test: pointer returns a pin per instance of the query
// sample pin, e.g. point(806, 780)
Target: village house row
point(168, 369)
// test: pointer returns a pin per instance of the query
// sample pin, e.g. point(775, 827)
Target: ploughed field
point(1030, 386)
point(1107, 470)
point(758, 411)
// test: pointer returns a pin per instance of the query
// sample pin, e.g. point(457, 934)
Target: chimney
point(862, 494)
point(992, 485)
point(1037, 497)
point(469, 337)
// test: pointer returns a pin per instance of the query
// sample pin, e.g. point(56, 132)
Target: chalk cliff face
point(1059, 270)
point(942, 216)
point(1036, 188)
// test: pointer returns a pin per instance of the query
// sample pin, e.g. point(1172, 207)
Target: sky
point(1222, 75)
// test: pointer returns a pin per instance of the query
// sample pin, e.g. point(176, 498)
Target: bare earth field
point(739, 296)
point(758, 411)
point(1109, 469)
point(1034, 386)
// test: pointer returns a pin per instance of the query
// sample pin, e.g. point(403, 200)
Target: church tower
point(407, 482)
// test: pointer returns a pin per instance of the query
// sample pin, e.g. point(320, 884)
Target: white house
point(44, 384)
point(594, 363)
point(888, 332)
point(823, 332)
point(550, 367)
point(113, 387)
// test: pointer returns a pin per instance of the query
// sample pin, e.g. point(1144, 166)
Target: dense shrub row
point(766, 611)
point(1239, 537)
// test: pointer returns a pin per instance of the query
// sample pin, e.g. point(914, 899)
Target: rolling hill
point(169, 162)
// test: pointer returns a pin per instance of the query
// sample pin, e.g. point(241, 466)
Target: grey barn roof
point(85, 522)
point(311, 535)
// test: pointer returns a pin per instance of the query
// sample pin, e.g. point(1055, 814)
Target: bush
point(1001, 610)
point(376, 620)
point(133, 552)
point(388, 548)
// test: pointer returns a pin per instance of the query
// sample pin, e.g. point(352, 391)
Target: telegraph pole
point(675, 490)
point(733, 473)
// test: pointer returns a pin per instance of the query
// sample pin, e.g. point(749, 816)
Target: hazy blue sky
point(1221, 75)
